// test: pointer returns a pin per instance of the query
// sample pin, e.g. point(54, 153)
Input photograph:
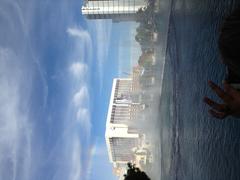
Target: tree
point(144, 37)
point(146, 59)
point(145, 30)
point(134, 173)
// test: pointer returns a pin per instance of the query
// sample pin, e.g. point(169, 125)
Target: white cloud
point(83, 114)
point(78, 32)
point(17, 158)
point(90, 159)
point(82, 50)
point(99, 150)
point(83, 117)
point(78, 69)
point(81, 59)
point(81, 98)
point(15, 128)
point(82, 56)
point(76, 162)
point(102, 30)
point(81, 103)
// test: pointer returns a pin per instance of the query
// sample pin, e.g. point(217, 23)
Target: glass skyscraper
point(117, 10)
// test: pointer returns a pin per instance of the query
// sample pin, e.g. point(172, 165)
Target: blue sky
point(56, 71)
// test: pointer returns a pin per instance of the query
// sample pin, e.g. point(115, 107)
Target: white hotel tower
point(121, 136)
point(117, 10)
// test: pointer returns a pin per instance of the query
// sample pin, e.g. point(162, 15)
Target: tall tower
point(117, 10)
point(118, 139)
point(121, 135)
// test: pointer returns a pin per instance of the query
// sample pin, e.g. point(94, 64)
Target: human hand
point(230, 98)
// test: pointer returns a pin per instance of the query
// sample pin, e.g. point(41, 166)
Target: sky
point(56, 72)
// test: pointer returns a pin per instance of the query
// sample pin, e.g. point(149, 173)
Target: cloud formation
point(30, 28)
point(82, 50)
point(22, 81)
point(81, 97)
point(83, 116)
point(78, 32)
point(102, 31)
point(76, 162)
point(81, 59)
point(15, 128)
point(78, 69)
point(99, 149)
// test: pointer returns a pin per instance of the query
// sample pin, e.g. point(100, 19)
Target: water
point(192, 144)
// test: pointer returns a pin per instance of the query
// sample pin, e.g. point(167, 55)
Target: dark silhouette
point(134, 173)
point(230, 51)
point(229, 42)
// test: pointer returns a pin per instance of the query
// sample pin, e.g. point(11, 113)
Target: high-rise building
point(136, 73)
point(121, 145)
point(121, 134)
point(117, 10)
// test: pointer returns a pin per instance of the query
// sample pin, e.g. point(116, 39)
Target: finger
point(214, 105)
point(219, 115)
point(230, 90)
point(226, 98)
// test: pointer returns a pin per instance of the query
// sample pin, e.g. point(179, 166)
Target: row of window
point(121, 148)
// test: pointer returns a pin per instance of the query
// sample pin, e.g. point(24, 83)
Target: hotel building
point(121, 135)
point(117, 10)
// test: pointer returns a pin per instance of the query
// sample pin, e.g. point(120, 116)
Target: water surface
point(192, 144)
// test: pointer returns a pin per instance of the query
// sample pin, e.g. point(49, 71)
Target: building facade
point(121, 135)
point(136, 72)
point(117, 10)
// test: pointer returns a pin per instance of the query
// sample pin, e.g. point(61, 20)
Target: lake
point(192, 144)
